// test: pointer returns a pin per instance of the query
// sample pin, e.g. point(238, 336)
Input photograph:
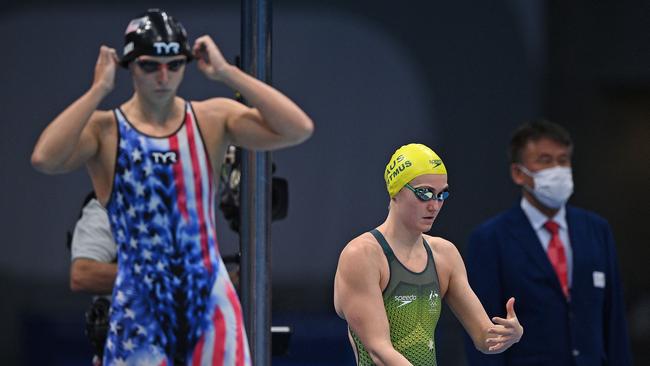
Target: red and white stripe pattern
point(195, 186)
point(225, 343)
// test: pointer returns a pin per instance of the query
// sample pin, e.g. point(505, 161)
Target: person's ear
point(517, 175)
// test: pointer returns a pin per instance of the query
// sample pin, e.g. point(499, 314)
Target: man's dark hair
point(533, 131)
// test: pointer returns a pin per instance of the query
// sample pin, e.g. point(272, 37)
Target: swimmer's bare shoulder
point(361, 265)
point(446, 257)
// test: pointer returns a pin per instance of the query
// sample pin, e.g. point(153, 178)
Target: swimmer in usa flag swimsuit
point(152, 162)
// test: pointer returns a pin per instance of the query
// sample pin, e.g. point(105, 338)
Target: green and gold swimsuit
point(412, 302)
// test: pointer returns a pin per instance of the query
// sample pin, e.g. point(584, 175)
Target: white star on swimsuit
point(141, 330)
point(139, 189)
point(120, 297)
point(160, 266)
point(113, 327)
point(128, 345)
point(146, 254)
point(128, 176)
point(142, 227)
point(147, 169)
point(136, 155)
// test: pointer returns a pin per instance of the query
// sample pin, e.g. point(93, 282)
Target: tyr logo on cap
point(166, 48)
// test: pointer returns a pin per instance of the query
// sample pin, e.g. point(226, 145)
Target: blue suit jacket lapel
point(577, 236)
point(525, 237)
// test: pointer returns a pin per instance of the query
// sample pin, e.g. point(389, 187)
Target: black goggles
point(150, 66)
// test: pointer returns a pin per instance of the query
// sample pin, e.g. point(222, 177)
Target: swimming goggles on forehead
point(427, 194)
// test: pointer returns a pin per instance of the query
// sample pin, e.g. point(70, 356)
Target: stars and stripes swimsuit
point(173, 302)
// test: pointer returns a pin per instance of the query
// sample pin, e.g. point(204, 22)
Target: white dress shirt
point(538, 219)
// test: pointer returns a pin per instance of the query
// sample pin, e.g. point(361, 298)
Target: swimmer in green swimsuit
point(390, 281)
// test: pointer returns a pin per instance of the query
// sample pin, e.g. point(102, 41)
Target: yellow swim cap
point(409, 162)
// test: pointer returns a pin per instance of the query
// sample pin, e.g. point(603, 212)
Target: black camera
point(97, 324)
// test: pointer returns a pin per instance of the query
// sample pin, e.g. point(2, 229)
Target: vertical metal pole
point(256, 193)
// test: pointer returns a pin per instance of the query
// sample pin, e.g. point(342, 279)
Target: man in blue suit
point(558, 261)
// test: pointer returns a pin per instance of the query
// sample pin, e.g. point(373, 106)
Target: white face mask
point(553, 186)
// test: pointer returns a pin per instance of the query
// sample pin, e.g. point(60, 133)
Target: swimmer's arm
point(70, 139)
point(488, 337)
point(358, 299)
point(275, 121)
point(92, 276)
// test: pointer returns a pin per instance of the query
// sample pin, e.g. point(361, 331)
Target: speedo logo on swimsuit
point(394, 169)
point(405, 300)
point(164, 157)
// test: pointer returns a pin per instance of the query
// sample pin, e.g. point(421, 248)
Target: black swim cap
point(154, 33)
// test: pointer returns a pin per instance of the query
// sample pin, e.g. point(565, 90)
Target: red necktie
point(556, 255)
